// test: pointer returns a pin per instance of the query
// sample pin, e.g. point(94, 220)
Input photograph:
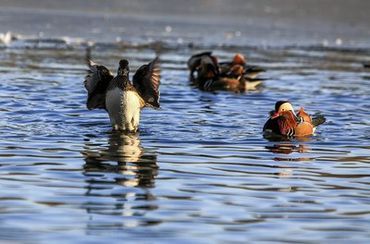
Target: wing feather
point(96, 83)
point(147, 80)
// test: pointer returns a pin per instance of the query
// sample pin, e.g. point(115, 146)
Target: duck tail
point(252, 84)
point(318, 119)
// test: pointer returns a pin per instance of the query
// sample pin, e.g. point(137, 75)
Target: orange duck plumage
point(285, 122)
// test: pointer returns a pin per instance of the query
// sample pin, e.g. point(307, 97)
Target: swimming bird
point(208, 74)
point(121, 98)
point(240, 61)
point(285, 122)
point(198, 62)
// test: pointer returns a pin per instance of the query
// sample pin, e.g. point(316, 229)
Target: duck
point(239, 62)
point(284, 121)
point(208, 74)
point(121, 98)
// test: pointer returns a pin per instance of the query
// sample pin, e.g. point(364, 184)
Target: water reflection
point(119, 176)
point(282, 150)
point(130, 161)
point(287, 148)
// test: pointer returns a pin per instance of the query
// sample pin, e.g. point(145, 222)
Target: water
point(199, 170)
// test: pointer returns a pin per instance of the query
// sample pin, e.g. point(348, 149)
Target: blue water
point(199, 170)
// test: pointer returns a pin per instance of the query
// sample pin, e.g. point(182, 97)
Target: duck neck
point(122, 72)
point(122, 75)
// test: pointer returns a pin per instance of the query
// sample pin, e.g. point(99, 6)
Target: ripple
point(199, 167)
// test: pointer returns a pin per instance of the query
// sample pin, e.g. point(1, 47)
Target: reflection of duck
point(138, 167)
point(287, 148)
point(126, 148)
point(208, 74)
point(285, 122)
point(119, 177)
point(282, 150)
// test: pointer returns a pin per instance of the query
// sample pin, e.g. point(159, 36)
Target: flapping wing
point(146, 81)
point(96, 83)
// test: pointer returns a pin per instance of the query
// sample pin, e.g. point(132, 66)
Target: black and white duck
point(121, 98)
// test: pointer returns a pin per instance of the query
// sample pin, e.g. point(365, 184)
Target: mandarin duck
point(212, 75)
point(285, 122)
point(239, 62)
point(121, 98)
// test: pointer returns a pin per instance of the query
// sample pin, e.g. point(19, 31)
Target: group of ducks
point(123, 99)
point(208, 74)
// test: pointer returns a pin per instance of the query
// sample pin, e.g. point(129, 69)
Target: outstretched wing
point(96, 83)
point(146, 81)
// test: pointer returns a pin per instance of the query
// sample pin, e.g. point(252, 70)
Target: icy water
point(200, 170)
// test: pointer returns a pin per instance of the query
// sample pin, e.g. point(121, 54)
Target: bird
point(121, 98)
point(239, 62)
point(208, 74)
point(284, 121)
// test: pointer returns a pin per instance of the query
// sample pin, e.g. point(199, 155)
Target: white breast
point(124, 109)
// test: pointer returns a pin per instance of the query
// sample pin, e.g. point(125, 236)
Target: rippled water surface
point(200, 169)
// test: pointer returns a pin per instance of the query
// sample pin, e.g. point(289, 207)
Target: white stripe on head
point(286, 107)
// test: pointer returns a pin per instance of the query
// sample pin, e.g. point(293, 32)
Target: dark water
point(199, 170)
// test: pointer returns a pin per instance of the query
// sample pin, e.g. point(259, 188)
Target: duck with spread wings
point(121, 98)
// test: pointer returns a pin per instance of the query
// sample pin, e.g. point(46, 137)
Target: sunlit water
point(200, 169)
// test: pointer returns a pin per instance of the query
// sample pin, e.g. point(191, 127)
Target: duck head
point(239, 59)
point(123, 68)
point(281, 107)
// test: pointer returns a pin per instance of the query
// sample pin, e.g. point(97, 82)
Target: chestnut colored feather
point(285, 122)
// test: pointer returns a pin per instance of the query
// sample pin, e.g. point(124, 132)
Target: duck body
point(285, 122)
point(123, 105)
point(121, 98)
point(210, 75)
